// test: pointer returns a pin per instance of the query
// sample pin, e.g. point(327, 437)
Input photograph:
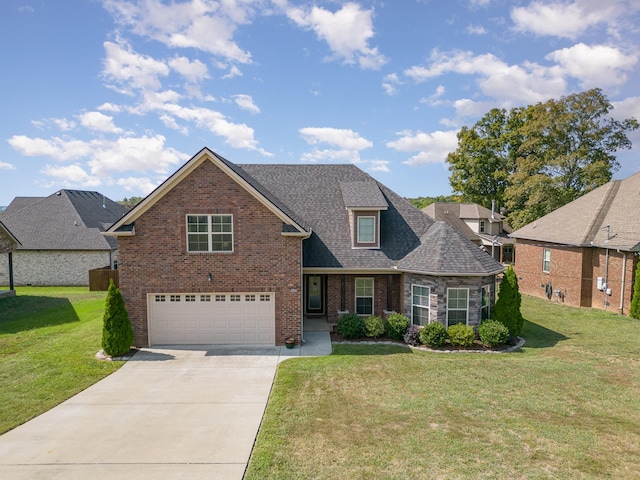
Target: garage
point(211, 318)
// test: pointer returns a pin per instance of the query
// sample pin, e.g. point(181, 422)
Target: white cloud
point(99, 122)
point(509, 84)
point(110, 107)
point(201, 24)
point(347, 32)
point(347, 143)
point(130, 69)
point(595, 66)
point(390, 83)
point(380, 165)
point(431, 147)
point(627, 108)
point(568, 19)
point(194, 71)
point(476, 30)
point(245, 102)
point(70, 176)
point(138, 184)
point(56, 148)
point(434, 99)
point(6, 166)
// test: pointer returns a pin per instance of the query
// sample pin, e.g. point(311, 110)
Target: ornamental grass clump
point(374, 326)
point(461, 335)
point(350, 326)
point(493, 333)
point(434, 334)
point(396, 326)
point(117, 333)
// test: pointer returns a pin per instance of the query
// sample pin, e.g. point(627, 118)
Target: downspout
point(302, 287)
point(624, 271)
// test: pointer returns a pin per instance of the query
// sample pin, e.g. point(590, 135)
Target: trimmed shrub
point(493, 333)
point(461, 335)
point(374, 326)
point(634, 310)
point(507, 307)
point(412, 335)
point(396, 326)
point(117, 333)
point(351, 326)
point(434, 334)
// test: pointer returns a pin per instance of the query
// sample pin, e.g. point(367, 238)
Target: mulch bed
point(478, 346)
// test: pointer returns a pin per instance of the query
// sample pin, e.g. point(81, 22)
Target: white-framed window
point(205, 298)
point(210, 233)
point(420, 304)
point(366, 229)
point(189, 298)
point(265, 297)
point(482, 226)
point(234, 298)
point(221, 298)
point(485, 308)
point(546, 260)
point(364, 296)
point(457, 306)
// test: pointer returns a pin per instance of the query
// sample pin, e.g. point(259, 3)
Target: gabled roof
point(65, 220)
point(445, 251)
point(291, 224)
point(313, 202)
point(584, 221)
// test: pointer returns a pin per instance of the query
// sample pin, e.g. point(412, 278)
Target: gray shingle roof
point(316, 193)
point(584, 221)
point(444, 250)
point(363, 195)
point(66, 220)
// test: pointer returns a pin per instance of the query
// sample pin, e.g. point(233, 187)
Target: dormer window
point(364, 202)
point(481, 226)
point(366, 229)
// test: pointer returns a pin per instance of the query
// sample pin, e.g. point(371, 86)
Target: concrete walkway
point(169, 413)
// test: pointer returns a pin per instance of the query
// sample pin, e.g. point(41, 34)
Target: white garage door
point(211, 318)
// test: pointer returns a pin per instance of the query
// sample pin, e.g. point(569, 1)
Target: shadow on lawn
point(29, 312)
point(538, 336)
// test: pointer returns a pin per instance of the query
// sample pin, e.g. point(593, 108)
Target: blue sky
point(115, 95)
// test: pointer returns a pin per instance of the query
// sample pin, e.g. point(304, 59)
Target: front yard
point(48, 339)
point(564, 406)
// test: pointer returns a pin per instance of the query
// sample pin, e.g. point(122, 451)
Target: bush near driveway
point(49, 337)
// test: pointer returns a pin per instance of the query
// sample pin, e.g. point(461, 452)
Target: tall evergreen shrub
point(507, 307)
point(117, 334)
point(635, 301)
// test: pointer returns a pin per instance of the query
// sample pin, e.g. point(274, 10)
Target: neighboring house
point(230, 254)
point(60, 237)
point(8, 243)
point(482, 226)
point(586, 252)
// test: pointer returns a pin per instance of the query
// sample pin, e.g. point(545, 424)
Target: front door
point(314, 304)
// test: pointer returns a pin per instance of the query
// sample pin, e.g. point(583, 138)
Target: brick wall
point(52, 267)
point(574, 271)
point(380, 286)
point(156, 259)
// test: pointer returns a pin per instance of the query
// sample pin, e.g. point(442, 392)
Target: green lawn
point(566, 406)
point(48, 340)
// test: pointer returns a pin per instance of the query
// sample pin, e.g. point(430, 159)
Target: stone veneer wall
point(439, 286)
point(52, 267)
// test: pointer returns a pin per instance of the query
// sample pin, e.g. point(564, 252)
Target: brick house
point(241, 254)
point(585, 253)
point(486, 228)
point(60, 237)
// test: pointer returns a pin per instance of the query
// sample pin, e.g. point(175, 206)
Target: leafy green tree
point(635, 301)
point(117, 334)
point(422, 202)
point(507, 307)
point(535, 159)
point(133, 201)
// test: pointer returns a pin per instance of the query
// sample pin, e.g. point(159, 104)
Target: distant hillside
point(422, 202)
point(2, 209)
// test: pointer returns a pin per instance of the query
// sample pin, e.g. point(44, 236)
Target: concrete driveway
point(168, 413)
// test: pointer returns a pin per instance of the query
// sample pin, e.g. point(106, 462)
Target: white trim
point(544, 260)
point(355, 295)
point(361, 217)
point(210, 233)
point(457, 309)
point(428, 307)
